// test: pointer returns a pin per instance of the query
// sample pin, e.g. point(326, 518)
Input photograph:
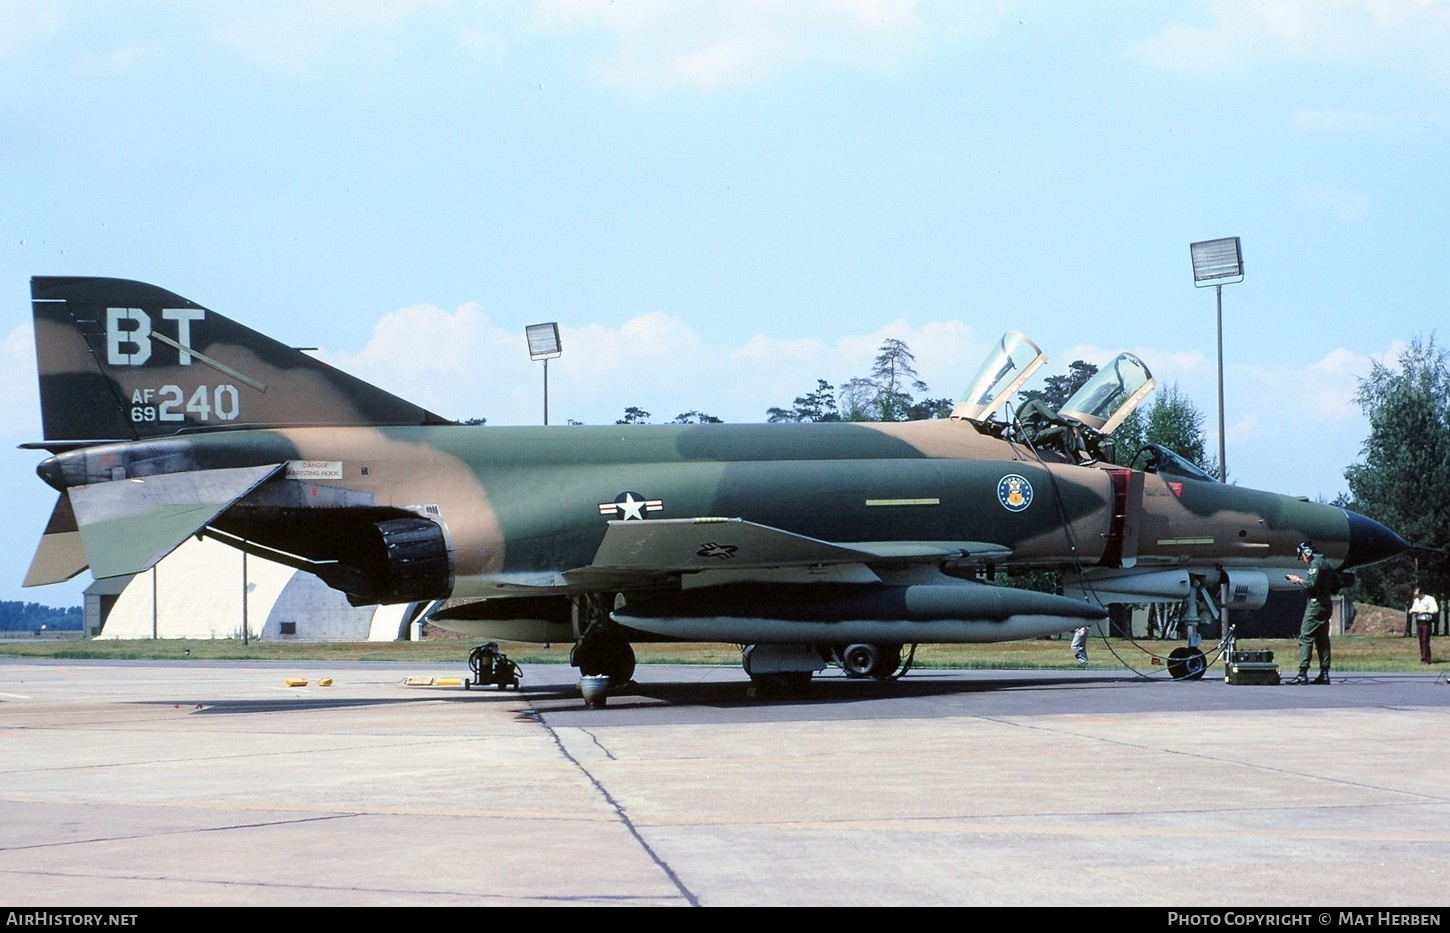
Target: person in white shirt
point(1423, 610)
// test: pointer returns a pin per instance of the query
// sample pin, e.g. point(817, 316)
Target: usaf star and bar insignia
point(630, 506)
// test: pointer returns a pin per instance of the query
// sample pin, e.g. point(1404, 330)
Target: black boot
point(1323, 678)
point(1303, 678)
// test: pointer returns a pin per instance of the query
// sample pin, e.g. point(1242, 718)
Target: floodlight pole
point(546, 391)
point(1222, 447)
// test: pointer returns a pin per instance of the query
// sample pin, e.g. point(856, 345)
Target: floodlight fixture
point(543, 341)
point(1217, 262)
point(544, 345)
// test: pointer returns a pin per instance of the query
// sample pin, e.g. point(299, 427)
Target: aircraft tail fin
point(122, 360)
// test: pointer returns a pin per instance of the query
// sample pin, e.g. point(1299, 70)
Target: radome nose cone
point(1370, 542)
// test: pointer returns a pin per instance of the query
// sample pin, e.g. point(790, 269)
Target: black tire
point(860, 660)
point(1186, 664)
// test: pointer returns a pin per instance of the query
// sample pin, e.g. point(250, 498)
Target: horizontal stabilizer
point(128, 525)
point(61, 554)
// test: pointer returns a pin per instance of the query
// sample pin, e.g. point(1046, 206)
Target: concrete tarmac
point(149, 784)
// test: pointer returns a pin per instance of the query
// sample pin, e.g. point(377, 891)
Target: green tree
point(928, 408)
point(1404, 479)
point(888, 394)
point(894, 371)
point(1057, 390)
point(819, 405)
point(695, 417)
point(31, 617)
point(858, 400)
point(634, 415)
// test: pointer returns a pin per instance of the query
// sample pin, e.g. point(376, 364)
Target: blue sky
point(722, 202)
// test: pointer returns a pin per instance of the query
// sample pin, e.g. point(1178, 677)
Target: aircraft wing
point(128, 525)
point(634, 552)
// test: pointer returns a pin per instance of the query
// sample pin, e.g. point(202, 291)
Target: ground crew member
point(1319, 580)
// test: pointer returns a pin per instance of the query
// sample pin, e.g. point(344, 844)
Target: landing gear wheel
point(614, 659)
point(1186, 664)
point(863, 660)
point(601, 648)
point(859, 660)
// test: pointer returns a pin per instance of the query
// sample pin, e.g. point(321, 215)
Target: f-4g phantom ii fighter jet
point(808, 544)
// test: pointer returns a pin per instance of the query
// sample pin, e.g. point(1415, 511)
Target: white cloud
point(294, 36)
point(450, 343)
point(721, 43)
point(761, 348)
point(19, 389)
point(649, 339)
point(1408, 35)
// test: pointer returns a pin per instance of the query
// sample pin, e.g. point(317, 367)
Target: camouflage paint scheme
point(167, 419)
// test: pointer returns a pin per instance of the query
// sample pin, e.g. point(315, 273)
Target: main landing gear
point(600, 647)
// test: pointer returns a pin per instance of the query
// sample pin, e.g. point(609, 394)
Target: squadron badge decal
point(630, 506)
point(1014, 492)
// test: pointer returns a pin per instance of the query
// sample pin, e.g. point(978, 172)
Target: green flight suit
point(1314, 630)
